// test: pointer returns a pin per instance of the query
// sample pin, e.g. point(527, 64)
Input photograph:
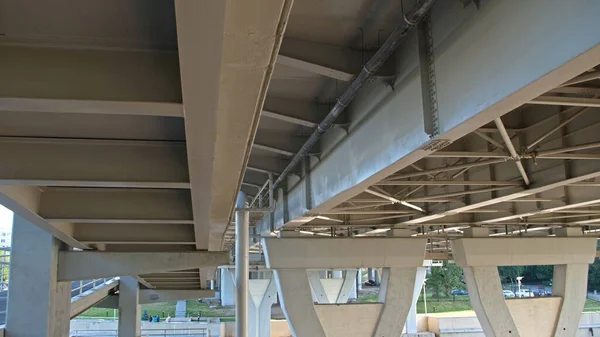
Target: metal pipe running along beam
point(411, 19)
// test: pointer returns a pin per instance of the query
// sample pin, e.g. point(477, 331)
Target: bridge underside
point(127, 129)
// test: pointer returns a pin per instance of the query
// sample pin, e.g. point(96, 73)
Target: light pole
point(519, 278)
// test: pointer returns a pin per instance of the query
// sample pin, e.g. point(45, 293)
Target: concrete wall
point(529, 323)
point(278, 329)
point(85, 324)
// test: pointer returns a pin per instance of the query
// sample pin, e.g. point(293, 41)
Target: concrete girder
point(73, 266)
point(315, 253)
point(98, 75)
point(155, 296)
point(134, 233)
point(200, 24)
point(94, 163)
point(464, 104)
point(42, 105)
point(25, 202)
point(148, 296)
point(91, 205)
point(223, 92)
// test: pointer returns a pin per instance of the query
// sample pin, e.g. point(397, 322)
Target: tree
point(145, 316)
point(510, 273)
point(594, 274)
point(443, 280)
point(538, 273)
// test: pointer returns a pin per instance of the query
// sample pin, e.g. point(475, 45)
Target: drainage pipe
point(412, 18)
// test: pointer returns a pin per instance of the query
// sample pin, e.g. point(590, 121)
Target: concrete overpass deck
point(129, 127)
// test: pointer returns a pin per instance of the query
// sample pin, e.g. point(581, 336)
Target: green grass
point(460, 303)
point(434, 306)
point(443, 304)
point(194, 309)
point(591, 305)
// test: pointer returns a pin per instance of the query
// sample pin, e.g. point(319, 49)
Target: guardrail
point(191, 332)
point(85, 285)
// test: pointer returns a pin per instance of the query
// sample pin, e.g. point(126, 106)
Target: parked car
point(540, 292)
point(458, 292)
point(524, 293)
point(509, 294)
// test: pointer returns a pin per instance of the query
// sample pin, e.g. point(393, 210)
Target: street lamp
point(519, 278)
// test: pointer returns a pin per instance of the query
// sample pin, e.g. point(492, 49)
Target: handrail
point(78, 291)
point(259, 194)
point(151, 332)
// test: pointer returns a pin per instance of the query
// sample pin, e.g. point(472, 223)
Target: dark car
point(457, 292)
point(539, 292)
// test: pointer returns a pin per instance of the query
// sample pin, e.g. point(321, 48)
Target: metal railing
point(183, 332)
point(78, 288)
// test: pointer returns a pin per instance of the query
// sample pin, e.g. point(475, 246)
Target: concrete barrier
point(468, 326)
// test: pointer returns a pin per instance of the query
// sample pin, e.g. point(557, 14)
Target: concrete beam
point(464, 104)
point(74, 266)
point(94, 75)
point(325, 253)
point(134, 233)
point(157, 296)
point(210, 80)
point(116, 205)
point(473, 252)
point(200, 24)
point(93, 163)
point(24, 201)
point(74, 106)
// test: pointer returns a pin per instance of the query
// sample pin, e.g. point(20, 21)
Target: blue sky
point(6, 219)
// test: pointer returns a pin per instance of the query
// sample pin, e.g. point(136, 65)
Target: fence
point(185, 332)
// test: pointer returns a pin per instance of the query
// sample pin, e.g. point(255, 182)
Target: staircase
point(86, 294)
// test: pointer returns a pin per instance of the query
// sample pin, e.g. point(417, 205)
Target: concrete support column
point(376, 277)
point(296, 302)
point(38, 305)
point(354, 291)
point(569, 282)
point(263, 293)
point(411, 320)
point(337, 274)
point(129, 308)
point(359, 279)
point(242, 242)
point(480, 256)
point(370, 274)
point(396, 293)
point(227, 287)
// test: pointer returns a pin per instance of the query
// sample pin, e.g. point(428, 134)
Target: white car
point(508, 294)
point(524, 293)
